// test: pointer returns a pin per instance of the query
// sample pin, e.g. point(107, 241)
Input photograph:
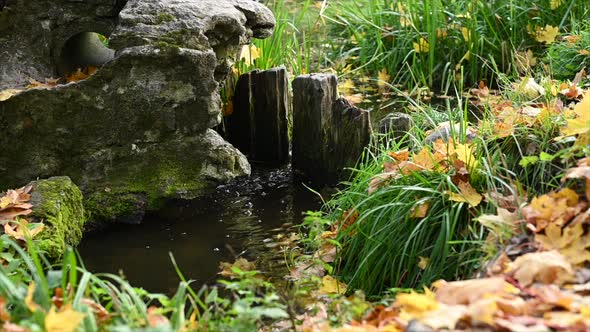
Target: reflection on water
point(239, 219)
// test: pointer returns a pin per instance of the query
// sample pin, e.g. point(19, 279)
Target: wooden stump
point(259, 124)
point(329, 134)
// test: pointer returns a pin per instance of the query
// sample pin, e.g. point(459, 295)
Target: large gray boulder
point(142, 122)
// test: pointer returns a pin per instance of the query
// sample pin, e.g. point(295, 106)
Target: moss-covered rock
point(107, 207)
point(57, 202)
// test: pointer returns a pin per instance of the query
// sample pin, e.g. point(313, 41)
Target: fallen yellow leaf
point(546, 267)
point(29, 298)
point(66, 320)
point(331, 285)
point(21, 231)
point(415, 305)
point(554, 4)
point(423, 262)
point(249, 53)
point(581, 124)
point(467, 194)
point(422, 46)
point(384, 78)
point(547, 34)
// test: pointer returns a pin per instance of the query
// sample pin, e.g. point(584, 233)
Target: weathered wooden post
point(313, 96)
point(350, 133)
point(329, 134)
point(259, 124)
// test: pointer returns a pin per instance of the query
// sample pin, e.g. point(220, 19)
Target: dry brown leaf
point(511, 305)
point(483, 310)
point(240, 263)
point(99, 311)
point(469, 291)
point(566, 321)
point(8, 93)
point(446, 317)
point(379, 316)
point(554, 296)
point(420, 210)
point(467, 194)
point(10, 327)
point(569, 241)
point(545, 267)
point(80, 74)
point(532, 324)
point(503, 129)
point(21, 230)
point(401, 155)
point(156, 319)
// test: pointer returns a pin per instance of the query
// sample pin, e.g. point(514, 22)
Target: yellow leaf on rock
point(6, 94)
point(331, 285)
point(66, 320)
point(547, 34)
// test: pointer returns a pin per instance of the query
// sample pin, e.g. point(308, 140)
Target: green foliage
point(566, 58)
point(31, 287)
point(384, 247)
point(292, 42)
point(423, 42)
point(251, 301)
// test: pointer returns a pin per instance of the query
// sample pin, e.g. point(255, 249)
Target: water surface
point(239, 219)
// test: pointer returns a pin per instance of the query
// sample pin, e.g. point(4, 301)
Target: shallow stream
point(248, 218)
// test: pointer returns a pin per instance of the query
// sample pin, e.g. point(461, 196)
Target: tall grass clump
point(292, 44)
point(421, 42)
point(410, 231)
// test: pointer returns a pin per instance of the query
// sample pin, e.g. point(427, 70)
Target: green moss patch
point(57, 202)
